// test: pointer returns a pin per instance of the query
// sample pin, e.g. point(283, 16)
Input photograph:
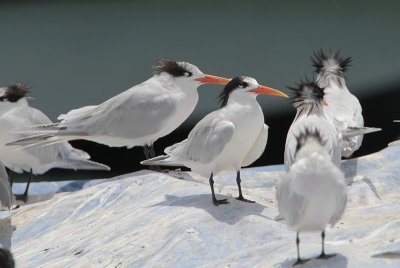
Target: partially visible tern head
point(307, 97)
point(185, 73)
point(12, 95)
point(330, 67)
point(245, 87)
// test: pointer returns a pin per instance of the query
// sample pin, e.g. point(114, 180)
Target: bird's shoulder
point(26, 116)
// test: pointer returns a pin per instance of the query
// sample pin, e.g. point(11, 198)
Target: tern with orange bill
point(308, 99)
point(344, 108)
point(227, 139)
point(136, 117)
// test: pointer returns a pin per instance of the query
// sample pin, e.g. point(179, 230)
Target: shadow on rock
point(339, 261)
point(230, 213)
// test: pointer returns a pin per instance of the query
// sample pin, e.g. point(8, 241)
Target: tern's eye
point(188, 74)
point(243, 85)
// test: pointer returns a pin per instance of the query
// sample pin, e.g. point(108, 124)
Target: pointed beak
point(268, 91)
point(325, 103)
point(212, 79)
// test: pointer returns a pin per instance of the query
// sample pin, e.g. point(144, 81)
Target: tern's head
point(245, 87)
point(309, 141)
point(330, 66)
point(12, 95)
point(307, 94)
point(186, 74)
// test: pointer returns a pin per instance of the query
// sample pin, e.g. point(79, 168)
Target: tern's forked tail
point(161, 160)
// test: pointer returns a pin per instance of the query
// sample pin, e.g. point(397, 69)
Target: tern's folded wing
point(205, 141)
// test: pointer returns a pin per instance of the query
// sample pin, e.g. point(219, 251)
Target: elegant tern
point(344, 108)
point(227, 139)
point(15, 113)
point(308, 99)
point(136, 117)
point(313, 193)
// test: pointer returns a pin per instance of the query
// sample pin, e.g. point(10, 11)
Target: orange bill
point(212, 79)
point(268, 91)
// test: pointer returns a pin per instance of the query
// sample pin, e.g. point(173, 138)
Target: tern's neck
point(242, 98)
point(7, 106)
point(310, 109)
point(331, 80)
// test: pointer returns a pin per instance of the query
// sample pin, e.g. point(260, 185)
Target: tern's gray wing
point(7, 200)
point(205, 142)
point(290, 204)
point(137, 112)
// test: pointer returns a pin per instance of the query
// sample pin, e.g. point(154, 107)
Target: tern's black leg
point(241, 198)
point(146, 151)
point(214, 199)
point(299, 260)
point(10, 176)
point(323, 255)
point(150, 153)
point(27, 185)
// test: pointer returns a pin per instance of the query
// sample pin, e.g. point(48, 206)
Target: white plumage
point(226, 139)
point(136, 117)
point(15, 113)
point(344, 108)
point(7, 199)
point(313, 193)
point(309, 102)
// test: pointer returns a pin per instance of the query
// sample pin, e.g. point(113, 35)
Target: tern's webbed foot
point(300, 261)
point(241, 198)
point(217, 202)
point(21, 197)
point(326, 256)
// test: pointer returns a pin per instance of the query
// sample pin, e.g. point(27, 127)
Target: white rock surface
point(147, 219)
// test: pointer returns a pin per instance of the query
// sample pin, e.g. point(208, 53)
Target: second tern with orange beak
point(227, 139)
point(136, 117)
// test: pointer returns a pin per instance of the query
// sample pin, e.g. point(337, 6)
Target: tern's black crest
point(332, 62)
point(306, 135)
point(305, 93)
point(170, 66)
point(6, 258)
point(14, 92)
point(237, 82)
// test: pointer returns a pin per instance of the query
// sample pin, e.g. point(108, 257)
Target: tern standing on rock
point(15, 113)
point(227, 139)
point(344, 109)
point(313, 193)
point(136, 117)
point(308, 99)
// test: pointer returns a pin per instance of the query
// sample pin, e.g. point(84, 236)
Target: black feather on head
point(332, 62)
point(14, 92)
point(171, 67)
point(304, 136)
point(306, 92)
point(237, 82)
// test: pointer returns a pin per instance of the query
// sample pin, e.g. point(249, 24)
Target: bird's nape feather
point(229, 88)
point(333, 62)
point(15, 92)
point(170, 66)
